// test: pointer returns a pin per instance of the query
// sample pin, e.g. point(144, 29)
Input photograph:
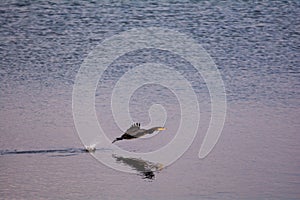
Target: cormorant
point(135, 132)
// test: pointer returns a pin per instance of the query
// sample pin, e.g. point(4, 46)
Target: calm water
point(254, 45)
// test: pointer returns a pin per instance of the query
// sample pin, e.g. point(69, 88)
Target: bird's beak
point(161, 129)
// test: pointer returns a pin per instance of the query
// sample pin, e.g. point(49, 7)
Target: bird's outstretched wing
point(133, 129)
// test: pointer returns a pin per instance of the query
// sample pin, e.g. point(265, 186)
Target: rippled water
point(255, 46)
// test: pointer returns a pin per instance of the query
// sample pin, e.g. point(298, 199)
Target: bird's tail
point(117, 140)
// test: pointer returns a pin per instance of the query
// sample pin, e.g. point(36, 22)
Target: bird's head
point(150, 131)
point(160, 128)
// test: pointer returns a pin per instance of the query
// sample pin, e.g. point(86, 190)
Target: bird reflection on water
point(146, 169)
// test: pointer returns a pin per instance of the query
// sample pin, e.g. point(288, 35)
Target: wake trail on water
point(62, 151)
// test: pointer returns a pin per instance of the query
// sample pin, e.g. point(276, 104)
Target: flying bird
point(135, 132)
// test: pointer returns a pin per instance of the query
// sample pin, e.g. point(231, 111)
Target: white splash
point(90, 148)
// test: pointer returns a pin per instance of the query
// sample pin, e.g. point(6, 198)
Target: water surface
point(254, 45)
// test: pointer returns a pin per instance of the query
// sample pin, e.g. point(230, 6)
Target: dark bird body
point(135, 132)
